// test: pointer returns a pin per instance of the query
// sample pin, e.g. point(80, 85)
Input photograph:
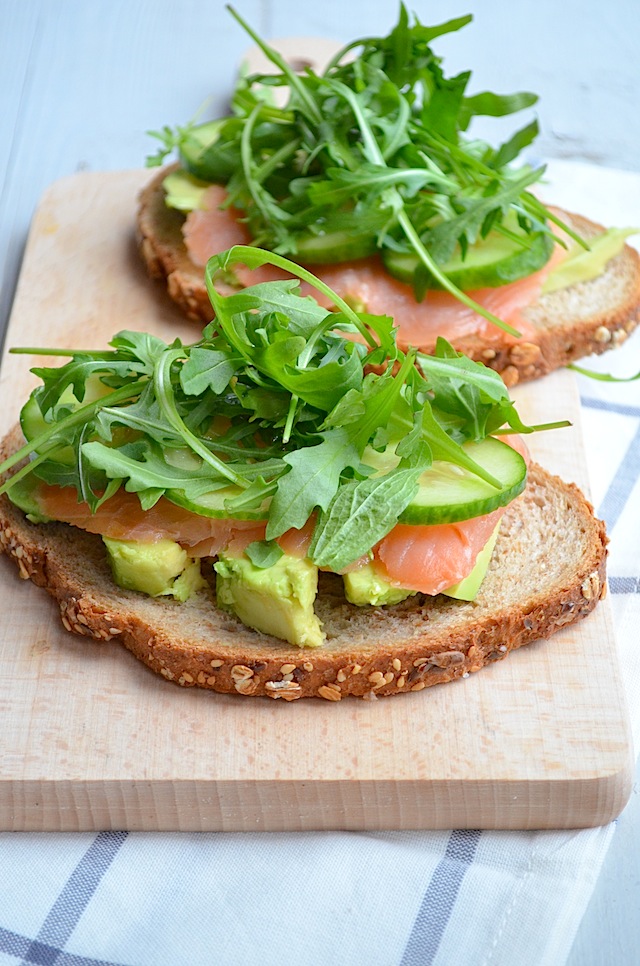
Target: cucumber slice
point(333, 247)
point(495, 261)
point(32, 423)
point(448, 493)
point(212, 504)
point(31, 419)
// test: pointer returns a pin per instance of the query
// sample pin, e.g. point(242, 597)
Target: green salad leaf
point(271, 413)
point(372, 154)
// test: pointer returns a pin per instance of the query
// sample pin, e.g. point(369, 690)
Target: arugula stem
point(270, 165)
point(40, 351)
point(307, 354)
point(532, 205)
point(386, 400)
point(602, 376)
point(426, 259)
point(291, 414)
point(26, 469)
point(166, 399)
point(75, 418)
point(254, 185)
point(275, 58)
point(537, 428)
point(374, 155)
point(255, 257)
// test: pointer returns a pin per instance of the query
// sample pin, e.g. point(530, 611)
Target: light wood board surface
point(92, 740)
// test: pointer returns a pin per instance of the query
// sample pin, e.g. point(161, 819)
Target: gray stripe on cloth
point(624, 585)
point(47, 948)
point(616, 497)
point(15, 945)
point(12, 943)
point(440, 898)
point(610, 407)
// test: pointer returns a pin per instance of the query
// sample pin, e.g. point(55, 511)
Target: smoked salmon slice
point(431, 558)
point(211, 229)
point(428, 558)
point(122, 518)
point(422, 558)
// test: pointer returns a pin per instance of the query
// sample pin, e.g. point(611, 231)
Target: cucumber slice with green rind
point(31, 419)
point(213, 504)
point(32, 423)
point(495, 261)
point(449, 493)
point(333, 247)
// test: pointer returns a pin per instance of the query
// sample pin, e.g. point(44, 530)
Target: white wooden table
point(81, 82)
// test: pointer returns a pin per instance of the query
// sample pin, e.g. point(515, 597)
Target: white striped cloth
point(410, 898)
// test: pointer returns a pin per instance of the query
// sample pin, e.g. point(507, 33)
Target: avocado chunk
point(367, 586)
point(160, 569)
point(276, 600)
point(582, 265)
point(23, 495)
point(183, 190)
point(468, 587)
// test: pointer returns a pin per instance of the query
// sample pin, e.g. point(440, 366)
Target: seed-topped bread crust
point(589, 317)
point(547, 571)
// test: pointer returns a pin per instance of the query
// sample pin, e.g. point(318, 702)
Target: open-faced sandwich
point(293, 506)
point(368, 174)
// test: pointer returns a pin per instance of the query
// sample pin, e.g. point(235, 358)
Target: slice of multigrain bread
point(547, 571)
point(589, 317)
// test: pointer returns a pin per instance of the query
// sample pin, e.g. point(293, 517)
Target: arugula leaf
point(264, 553)
point(442, 239)
point(256, 258)
point(143, 346)
point(361, 514)
point(272, 299)
point(497, 105)
point(166, 398)
point(312, 481)
point(373, 151)
point(148, 473)
point(271, 415)
point(144, 415)
point(509, 151)
point(75, 376)
point(372, 179)
point(206, 369)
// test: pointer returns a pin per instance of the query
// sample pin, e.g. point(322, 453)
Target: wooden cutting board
point(91, 739)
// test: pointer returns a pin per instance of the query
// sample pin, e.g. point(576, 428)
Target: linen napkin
point(466, 897)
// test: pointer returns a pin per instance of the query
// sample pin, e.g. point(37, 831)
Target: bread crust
point(589, 317)
point(547, 571)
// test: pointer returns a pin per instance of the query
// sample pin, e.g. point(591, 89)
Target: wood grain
point(93, 740)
